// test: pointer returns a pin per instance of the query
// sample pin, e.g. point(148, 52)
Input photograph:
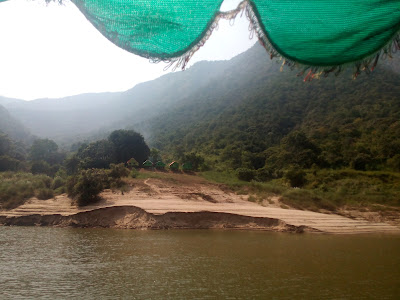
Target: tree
point(155, 155)
point(40, 167)
point(128, 144)
point(296, 177)
point(299, 150)
point(46, 150)
point(98, 155)
point(6, 144)
point(72, 164)
point(86, 186)
point(196, 160)
point(8, 163)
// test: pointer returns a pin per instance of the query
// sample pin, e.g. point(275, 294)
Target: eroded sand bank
point(179, 203)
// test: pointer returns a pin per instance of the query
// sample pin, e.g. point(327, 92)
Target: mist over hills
point(82, 116)
point(238, 112)
point(13, 128)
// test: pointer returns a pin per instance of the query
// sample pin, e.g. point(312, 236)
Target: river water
point(61, 263)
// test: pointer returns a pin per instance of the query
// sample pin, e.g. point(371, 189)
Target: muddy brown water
point(61, 263)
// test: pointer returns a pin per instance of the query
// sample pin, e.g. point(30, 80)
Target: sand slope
point(189, 194)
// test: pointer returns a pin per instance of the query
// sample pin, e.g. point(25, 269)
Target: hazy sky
point(53, 51)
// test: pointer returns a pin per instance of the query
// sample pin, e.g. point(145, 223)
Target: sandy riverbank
point(184, 201)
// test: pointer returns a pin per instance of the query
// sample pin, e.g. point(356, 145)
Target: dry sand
point(166, 202)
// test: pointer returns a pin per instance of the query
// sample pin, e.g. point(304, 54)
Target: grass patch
point(148, 174)
point(227, 178)
point(355, 188)
point(252, 198)
point(324, 189)
point(306, 200)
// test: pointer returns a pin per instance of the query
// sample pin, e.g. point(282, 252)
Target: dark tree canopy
point(128, 144)
point(98, 155)
point(6, 144)
point(46, 150)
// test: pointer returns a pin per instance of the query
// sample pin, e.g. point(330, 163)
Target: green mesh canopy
point(328, 32)
point(151, 28)
point(319, 35)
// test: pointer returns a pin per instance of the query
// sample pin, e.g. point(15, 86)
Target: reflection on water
point(105, 263)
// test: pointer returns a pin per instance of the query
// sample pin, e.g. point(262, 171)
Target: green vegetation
point(120, 147)
point(86, 186)
point(319, 145)
point(324, 189)
point(94, 167)
point(16, 187)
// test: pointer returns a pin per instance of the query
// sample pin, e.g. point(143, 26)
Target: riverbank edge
point(132, 217)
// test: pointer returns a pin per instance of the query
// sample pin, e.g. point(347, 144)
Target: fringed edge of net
point(366, 65)
point(182, 60)
point(309, 72)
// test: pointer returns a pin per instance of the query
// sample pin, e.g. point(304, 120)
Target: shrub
point(360, 162)
point(134, 173)
point(9, 164)
point(44, 194)
point(57, 182)
point(16, 188)
point(394, 162)
point(86, 187)
point(296, 177)
point(40, 167)
point(60, 190)
point(245, 174)
point(264, 174)
point(118, 171)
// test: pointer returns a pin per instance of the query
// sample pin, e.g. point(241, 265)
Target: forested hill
point(254, 116)
point(13, 128)
point(241, 113)
point(78, 117)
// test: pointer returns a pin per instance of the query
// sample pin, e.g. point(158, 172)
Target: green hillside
point(255, 116)
point(81, 117)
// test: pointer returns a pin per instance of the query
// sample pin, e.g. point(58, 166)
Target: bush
point(264, 174)
point(296, 177)
point(245, 174)
point(9, 164)
point(40, 167)
point(44, 194)
point(394, 162)
point(16, 188)
point(86, 187)
point(134, 173)
point(57, 182)
point(60, 190)
point(360, 162)
point(118, 171)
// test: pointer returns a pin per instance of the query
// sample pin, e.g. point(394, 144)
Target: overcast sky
point(53, 51)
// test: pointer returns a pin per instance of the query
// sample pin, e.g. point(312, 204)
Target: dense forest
point(257, 117)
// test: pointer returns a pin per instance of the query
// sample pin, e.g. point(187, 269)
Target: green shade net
point(322, 35)
point(152, 28)
point(326, 32)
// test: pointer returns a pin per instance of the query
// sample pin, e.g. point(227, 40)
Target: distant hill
point(69, 118)
point(13, 128)
point(242, 110)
